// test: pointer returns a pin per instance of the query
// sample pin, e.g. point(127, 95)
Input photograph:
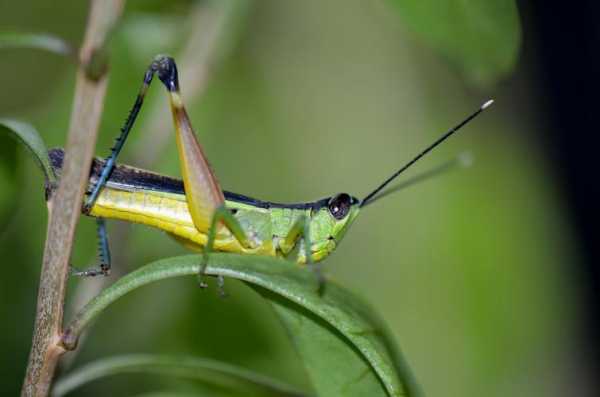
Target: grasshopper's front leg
point(301, 230)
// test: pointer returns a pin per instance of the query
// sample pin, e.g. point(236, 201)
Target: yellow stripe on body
point(168, 212)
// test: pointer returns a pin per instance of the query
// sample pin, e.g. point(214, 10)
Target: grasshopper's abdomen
point(169, 212)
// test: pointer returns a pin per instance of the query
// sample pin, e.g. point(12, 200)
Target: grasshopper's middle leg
point(300, 230)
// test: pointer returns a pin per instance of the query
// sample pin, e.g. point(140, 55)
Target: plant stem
point(65, 207)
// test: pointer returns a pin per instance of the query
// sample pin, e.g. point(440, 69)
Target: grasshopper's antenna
point(463, 160)
point(370, 196)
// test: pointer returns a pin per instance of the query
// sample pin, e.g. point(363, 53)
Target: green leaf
point(481, 37)
point(340, 358)
point(209, 371)
point(36, 41)
point(28, 136)
point(343, 344)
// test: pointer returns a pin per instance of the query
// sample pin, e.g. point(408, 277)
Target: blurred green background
point(471, 270)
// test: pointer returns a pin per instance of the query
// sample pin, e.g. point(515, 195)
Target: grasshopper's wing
point(202, 191)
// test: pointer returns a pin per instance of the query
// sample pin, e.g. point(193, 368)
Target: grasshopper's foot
point(221, 286)
point(202, 272)
point(203, 284)
point(321, 281)
point(103, 270)
point(200, 278)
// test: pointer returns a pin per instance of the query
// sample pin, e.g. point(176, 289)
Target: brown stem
point(66, 203)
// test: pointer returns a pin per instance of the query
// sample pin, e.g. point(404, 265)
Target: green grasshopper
point(203, 217)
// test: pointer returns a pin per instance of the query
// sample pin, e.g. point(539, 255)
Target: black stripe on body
point(141, 179)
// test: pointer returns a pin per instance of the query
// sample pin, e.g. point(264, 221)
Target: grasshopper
point(203, 217)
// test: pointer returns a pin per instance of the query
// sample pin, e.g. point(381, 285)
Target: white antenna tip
point(487, 104)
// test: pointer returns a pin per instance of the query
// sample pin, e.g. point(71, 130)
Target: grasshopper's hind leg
point(103, 254)
point(301, 230)
point(166, 69)
point(203, 194)
point(223, 217)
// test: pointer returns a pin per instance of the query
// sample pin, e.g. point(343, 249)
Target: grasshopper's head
point(342, 209)
point(329, 223)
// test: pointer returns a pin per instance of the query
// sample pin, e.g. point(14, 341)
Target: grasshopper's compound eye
point(339, 205)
